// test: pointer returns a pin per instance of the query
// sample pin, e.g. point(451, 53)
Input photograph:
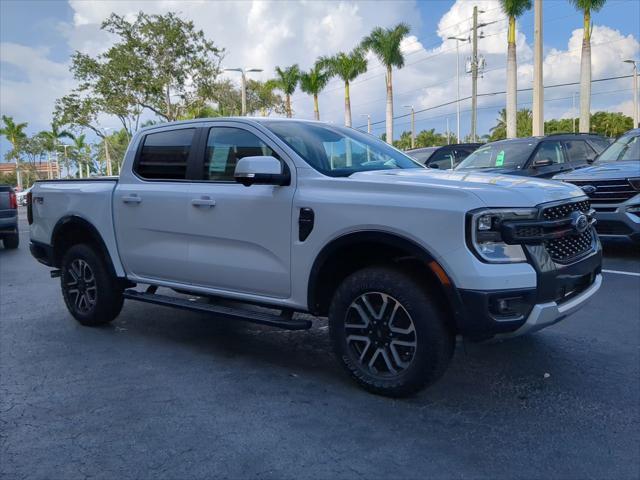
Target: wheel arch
point(72, 230)
point(349, 252)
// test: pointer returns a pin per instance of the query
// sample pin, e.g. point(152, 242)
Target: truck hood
point(494, 190)
point(604, 171)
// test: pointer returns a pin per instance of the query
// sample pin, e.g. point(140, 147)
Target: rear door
point(239, 237)
point(552, 150)
point(151, 206)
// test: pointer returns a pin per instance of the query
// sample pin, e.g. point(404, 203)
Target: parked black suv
point(537, 156)
point(444, 157)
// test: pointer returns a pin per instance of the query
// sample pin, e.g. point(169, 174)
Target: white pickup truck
point(263, 218)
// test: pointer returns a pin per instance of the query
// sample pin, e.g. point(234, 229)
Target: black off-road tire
point(11, 241)
point(103, 289)
point(434, 341)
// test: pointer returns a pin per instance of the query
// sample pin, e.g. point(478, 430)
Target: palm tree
point(287, 81)
point(81, 147)
point(51, 140)
point(385, 44)
point(14, 132)
point(312, 82)
point(512, 9)
point(347, 66)
point(586, 7)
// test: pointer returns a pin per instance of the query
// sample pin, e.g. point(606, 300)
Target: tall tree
point(313, 82)
point(51, 141)
point(14, 133)
point(287, 81)
point(80, 154)
point(586, 7)
point(524, 124)
point(347, 66)
point(512, 9)
point(385, 44)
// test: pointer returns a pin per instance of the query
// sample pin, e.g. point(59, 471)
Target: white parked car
point(304, 216)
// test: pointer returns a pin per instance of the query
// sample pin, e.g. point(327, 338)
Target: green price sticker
point(500, 159)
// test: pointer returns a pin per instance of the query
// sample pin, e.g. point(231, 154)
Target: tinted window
point(422, 155)
point(443, 159)
point(227, 145)
point(579, 151)
point(338, 151)
point(510, 154)
point(550, 151)
point(164, 155)
point(600, 144)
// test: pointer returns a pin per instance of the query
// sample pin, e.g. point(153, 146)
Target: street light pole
point(538, 91)
point(368, 121)
point(413, 125)
point(66, 158)
point(243, 88)
point(106, 151)
point(636, 119)
point(458, 40)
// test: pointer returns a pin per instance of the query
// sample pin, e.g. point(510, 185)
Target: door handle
point(133, 198)
point(203, 202)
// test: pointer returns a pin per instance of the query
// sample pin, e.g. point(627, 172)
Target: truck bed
point(56, 201)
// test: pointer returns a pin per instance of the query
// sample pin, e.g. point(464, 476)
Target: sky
point(37, 38)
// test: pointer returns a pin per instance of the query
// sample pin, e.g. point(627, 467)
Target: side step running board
point(219, 310)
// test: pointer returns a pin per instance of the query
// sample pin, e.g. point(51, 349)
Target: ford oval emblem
point(589, 189)
point(579, 222)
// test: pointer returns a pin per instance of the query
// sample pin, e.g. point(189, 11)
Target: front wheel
point(91, 292)
point(388, 332)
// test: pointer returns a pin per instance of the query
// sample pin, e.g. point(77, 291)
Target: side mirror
point(541, 162)
point(264, 170)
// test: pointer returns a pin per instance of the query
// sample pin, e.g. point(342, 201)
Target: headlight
point(485, 238)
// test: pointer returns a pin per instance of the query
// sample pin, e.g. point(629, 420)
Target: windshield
point(625, 148)
point(499, 155)
point(339, 151)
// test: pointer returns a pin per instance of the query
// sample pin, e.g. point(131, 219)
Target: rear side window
point(443, 159)
point(164, 155)
point(227, 145)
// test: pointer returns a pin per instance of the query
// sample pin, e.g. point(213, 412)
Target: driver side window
point(550, 151)
point(227, 145)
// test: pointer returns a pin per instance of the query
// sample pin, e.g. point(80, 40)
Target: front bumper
point(615, 221)
point(560, 290)
point(545, 314)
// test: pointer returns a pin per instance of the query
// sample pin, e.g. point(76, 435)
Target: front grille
point(561, 211)
point(608, 191)
point(569, 247)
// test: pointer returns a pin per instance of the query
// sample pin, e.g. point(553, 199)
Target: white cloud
point(266, 34)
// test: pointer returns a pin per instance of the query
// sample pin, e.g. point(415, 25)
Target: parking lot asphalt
point(162, 393)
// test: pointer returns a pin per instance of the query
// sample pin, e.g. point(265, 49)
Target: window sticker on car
point(500, 159)
point(218, 162)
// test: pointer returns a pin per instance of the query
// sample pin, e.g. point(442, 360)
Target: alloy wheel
point(80, 284)
point(380, 334)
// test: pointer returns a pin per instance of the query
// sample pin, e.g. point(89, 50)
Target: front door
point(239, 237)
point(151, 206)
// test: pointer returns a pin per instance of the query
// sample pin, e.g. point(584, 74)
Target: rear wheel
point(93, 295)
point(11, 241)
point(389, 334)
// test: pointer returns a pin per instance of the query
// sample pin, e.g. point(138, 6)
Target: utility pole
point(413, 125)
point(636, 119)
point(243, 88)
point(573, 110)
point(538, 91)
point(66, 158)
point(474, 76)
point(458, 40)
point(448, 134)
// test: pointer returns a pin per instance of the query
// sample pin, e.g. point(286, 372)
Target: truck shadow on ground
point(516, 370)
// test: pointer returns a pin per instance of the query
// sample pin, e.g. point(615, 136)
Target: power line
point(567, 84)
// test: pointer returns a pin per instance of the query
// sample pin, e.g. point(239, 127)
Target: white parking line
point(620, 272)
